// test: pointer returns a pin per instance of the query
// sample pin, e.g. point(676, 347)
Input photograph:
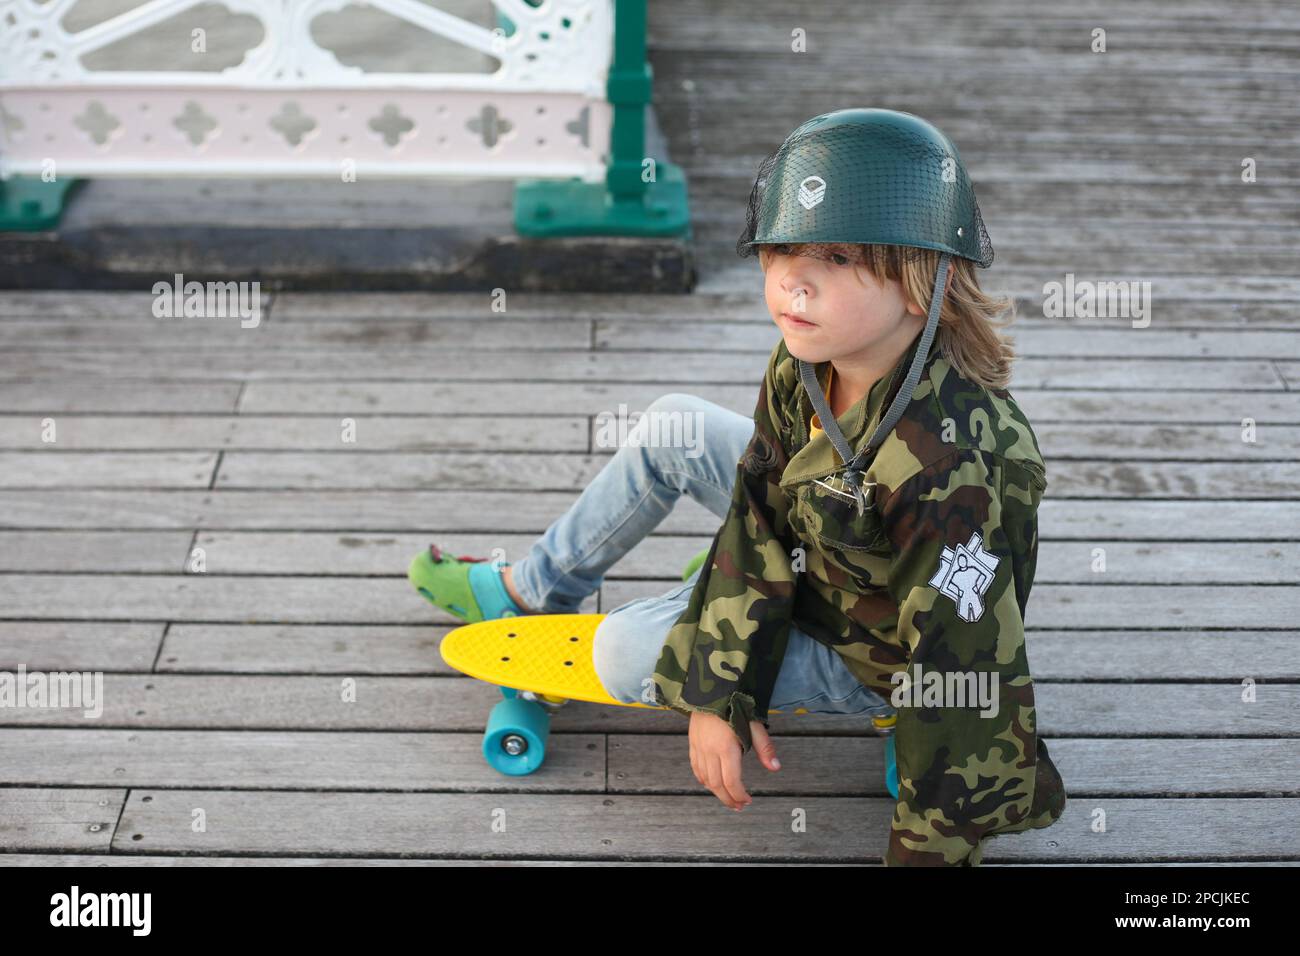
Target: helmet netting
point(903, 201)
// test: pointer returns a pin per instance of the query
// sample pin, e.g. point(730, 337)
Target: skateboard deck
point(545, 654)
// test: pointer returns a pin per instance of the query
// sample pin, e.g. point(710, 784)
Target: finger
point(715, 782)
point(763, 746)
point(731, 778)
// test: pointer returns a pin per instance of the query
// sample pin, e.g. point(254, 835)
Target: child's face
point(850, 311)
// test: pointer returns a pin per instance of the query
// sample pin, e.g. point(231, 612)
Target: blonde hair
point(969, 318)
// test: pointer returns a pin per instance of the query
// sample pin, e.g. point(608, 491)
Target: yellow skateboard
point(540, 661)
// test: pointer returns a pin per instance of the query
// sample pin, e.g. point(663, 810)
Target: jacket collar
point(817, 457)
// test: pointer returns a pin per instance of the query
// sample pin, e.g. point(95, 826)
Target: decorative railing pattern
point(292, 108)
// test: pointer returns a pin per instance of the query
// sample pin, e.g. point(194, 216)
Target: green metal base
point(29, 204)
point(570, 207)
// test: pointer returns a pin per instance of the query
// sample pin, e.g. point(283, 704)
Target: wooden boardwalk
point(224, 690)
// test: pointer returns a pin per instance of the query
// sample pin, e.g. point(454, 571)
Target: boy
point(902, 568)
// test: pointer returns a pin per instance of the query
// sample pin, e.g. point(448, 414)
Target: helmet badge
point(812, 191)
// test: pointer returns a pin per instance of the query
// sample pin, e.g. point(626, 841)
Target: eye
point(840, 260)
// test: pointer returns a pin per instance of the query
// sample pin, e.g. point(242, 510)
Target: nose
point(795, 279)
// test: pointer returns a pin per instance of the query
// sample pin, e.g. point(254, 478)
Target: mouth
point(797, 322)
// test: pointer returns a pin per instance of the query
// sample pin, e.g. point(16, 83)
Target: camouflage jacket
point(932, 580)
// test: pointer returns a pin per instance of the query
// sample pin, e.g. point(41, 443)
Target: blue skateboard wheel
point(515, 740)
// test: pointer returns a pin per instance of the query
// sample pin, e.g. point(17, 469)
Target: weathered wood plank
point(326, 553)
point(105, 469)
point(51, 397)
point(521, 305)
point(471, 512)
point(394, 649)
point(1140, 442)
point(723, 272)
point(660, 556)
point(446, 432)
point(313, 761)
point(573, 383)
point(1154, 829)
point(1128, 476)
point(656, 556)
point(469, 406)
point(1086, 606)
point(402, 511)
point(751, 309)
point(1049, 42)
point(303, 648)
point(1014, 116)
point(212, 598)
point(1211, 162)
point(666, 827)
point(49, 305)
point(1163, 655)
point(534, 471)
point(50, 819)
point(1170, 520)
point(637, 764)
point(590, 825)
point(488, 332)
point(95, 551)
point(79, 645)
point(1261, 476)
point(673, 370)
point(1206, 162)
point(646, 763)
point(1222, 481)
point(216, 598)
point(1094, 82)
point(412, 649)
point(1034, 341)
point(722, 199)
point(1071, 562)
point(460, 704)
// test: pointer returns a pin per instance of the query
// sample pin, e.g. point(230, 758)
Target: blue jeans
point(625, 502)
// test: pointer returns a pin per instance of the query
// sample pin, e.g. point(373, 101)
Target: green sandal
point(470, 588)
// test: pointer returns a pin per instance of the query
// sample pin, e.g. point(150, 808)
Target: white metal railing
point(291, 108)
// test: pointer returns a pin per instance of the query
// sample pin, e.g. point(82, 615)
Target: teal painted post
point(629, 88)
point(624, 204)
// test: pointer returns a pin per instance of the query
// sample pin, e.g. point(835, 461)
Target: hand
point(715, 756)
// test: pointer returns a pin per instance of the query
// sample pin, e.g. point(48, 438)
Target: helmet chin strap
point(857, 463)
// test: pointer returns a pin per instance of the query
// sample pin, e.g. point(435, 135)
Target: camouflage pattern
point(962, 461)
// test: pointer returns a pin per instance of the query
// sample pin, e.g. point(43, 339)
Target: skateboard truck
point(550, 703)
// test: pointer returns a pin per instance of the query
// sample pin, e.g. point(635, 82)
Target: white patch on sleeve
point(964, 574)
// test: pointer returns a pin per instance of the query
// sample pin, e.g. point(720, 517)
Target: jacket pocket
point(830, 513)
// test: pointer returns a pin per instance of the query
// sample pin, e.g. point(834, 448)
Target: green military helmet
point(867, 176)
